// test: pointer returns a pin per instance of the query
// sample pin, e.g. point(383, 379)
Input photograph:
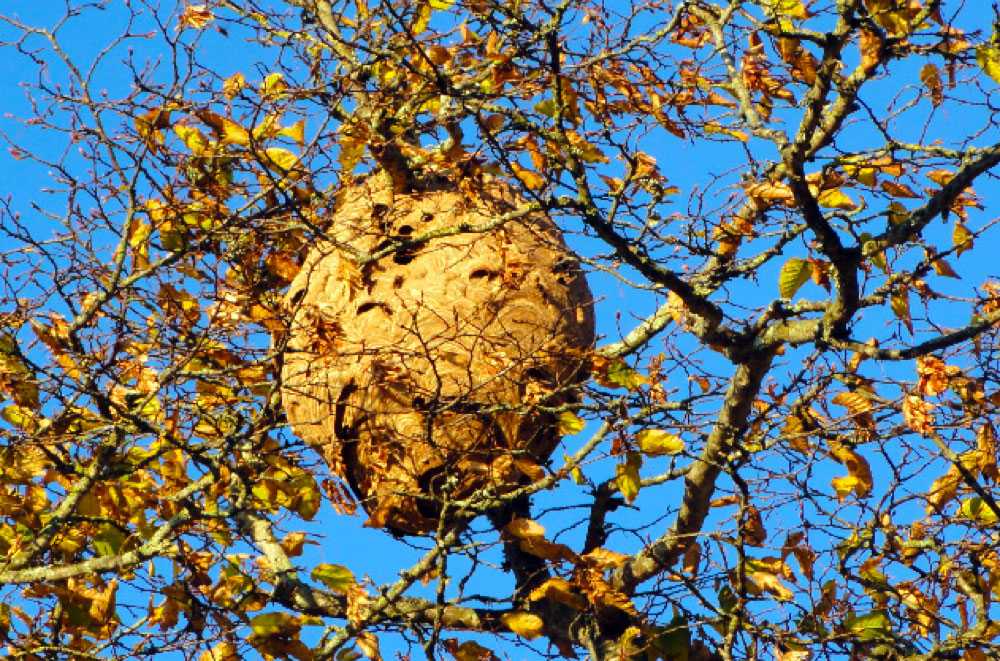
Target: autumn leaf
point(899, 301)
point(272, 624)
point(794, 273)
point(961, 238)
point(526, 625)
point(570, 423)
point(232, 85)
point(521, 528)
point(871, 626)
point(988, 57)
point(978, 510)
point(834, 198)
point(859, 478)
point(627, 476)
point(931, 79)
point(195, 17)
point(559, 590)
point(656, 442)
point(531, 179)
point(336, 577)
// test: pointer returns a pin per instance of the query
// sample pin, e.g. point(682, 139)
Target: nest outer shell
point(422, 373)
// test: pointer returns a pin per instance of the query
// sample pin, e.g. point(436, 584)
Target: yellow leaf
point(296, 132)
point(231, 86)
point(234, 134)
point(531, 179)
point(859, 478)
point(192, 138)
point(570, 423)
point(793, 275)
point(961, 238)
point(282, 158)
point(627, 476)
point(23, 418)
point(576, 473)
point(772, 584)
point(656, 442)
point(900, 304)
point(423, 19)
point(195, 17)
point(221, 652)
point(560, 590)
point(898, 190)
point(834, 198)
point(988, 58)
point(788, 8)
point(336, 577)
point(273, 85)
point(525, 528)
point(527, 625)
point(603, 558)
point(441, 4)
point(975, 508)
point(844, 485)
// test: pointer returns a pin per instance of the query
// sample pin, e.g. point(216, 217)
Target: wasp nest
point(429, 333)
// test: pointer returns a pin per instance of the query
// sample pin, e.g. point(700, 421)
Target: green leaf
point(655, 442)
point(622, 375)
point(873, 626)
point(336, 577)
point(793, 275)
point(271, 624)
point(109, 540)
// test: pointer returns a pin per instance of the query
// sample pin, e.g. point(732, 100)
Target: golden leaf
point(524, 528)
point(527, 625)
point(931, 79)
point(961, 238)
point(899, 301)
point(423, 19)
point(195, 17)
point(794, 273)
point(627, 477)
point(231, 86)
point(570, 423)
point(859, 478)
point(978, 510)
point(273, 85)
point(834, 198)
point(336, 577)
point(284, 159)
point(602, 558)
point(896, 189)
point(655, 442)
point(296, 132)
point(560, 590)
point(531, 179)
point(234, 134)
point(772, 584)
point(192, 139)
point(988, 57)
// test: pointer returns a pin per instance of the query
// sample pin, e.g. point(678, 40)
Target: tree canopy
point(785, 446)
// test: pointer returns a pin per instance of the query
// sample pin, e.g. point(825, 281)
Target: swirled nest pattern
point(432, 335)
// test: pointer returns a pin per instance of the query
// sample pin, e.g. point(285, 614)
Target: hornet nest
point(430, 332)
